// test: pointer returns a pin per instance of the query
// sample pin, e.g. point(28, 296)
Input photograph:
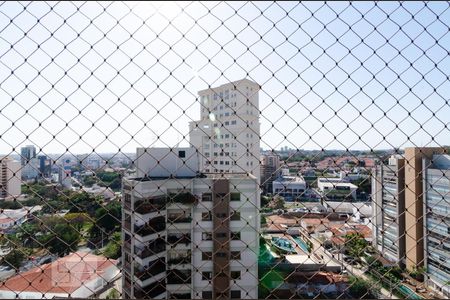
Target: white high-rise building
point(227, 135)
point(188, 235)
point(10, 178)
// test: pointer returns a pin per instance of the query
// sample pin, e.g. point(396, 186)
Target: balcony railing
point(144, 207)
point(177, 239)
point(183, 198)
point(178, 277)
point(151, 291)
point(153, 248)
point(179, 219)
point(180, 260)
point(180, 296)
point(148, 229)
point(154, 268)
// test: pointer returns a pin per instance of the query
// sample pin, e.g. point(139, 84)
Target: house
point(77, 275)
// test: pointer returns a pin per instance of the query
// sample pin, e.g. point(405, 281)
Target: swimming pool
point(410, 294)
point(301, 244)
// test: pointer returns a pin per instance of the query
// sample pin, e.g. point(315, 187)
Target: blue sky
point(106, 76)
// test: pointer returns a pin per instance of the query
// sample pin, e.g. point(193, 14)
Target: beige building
point(10, 178)
point(227, 135)
point(188, 235)
point(398, 196)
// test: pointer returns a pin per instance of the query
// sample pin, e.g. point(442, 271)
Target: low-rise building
point(336, 188)
point(289, 186)
point(77, 275)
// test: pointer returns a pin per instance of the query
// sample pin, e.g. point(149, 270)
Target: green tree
point(360, 288)
point(59, 236)
point(14, 258)
point(113, 294)
point(113, 248)
point(355, 245)
point(108, 217)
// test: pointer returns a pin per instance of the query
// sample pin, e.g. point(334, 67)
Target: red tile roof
point(63, 276)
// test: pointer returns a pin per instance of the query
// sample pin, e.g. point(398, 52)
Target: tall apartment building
point(436, 186)
point(10, 174)
point(188, 235)
point(269, 170)
point(388, 196)
point(411, 209)
point(27, 153)
point(227, 135)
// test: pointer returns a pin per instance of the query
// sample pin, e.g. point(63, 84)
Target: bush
point(14, 258)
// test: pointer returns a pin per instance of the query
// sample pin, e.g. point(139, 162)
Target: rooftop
point(63, 276)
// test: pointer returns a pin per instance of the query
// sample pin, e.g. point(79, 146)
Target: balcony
point(155, 225)
point(178, 277)
point(154, 268)
point(183, 198)
point(180, 296)
point(153, 248)
point(179, 218)
point(180, 260)
point(175, 239)
point(151, 291)
point(148, 206)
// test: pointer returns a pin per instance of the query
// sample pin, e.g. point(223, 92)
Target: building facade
point(27, 153)
point(10, 178)
point(189, 235)
point(436, 186)
point(269, 170)
point(289, 186)
point(388, 196)
point(227, 135)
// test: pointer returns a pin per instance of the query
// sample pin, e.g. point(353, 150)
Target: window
point(236, 216)
point(206, 236)
point(221, 162)
point(236, 255)
point(233, 122)
point(206, 275)
point(206, 255)
point(181, 154)
point(206, 197)
point(221, 215)
point(207, 295)
point(235, 197)
point(227, 123)
point(206, 216)
point(207, 154)
point(235, 294)
point(221, 235)
point(235, 235)
point(235, 275)
point(221, 254)
point(227, 163)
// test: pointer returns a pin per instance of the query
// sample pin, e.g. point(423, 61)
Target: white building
point(336, 187)
point(77, 275)
point(187, 234)
point(289, 186)
point(227, 135)
point(10, 178)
